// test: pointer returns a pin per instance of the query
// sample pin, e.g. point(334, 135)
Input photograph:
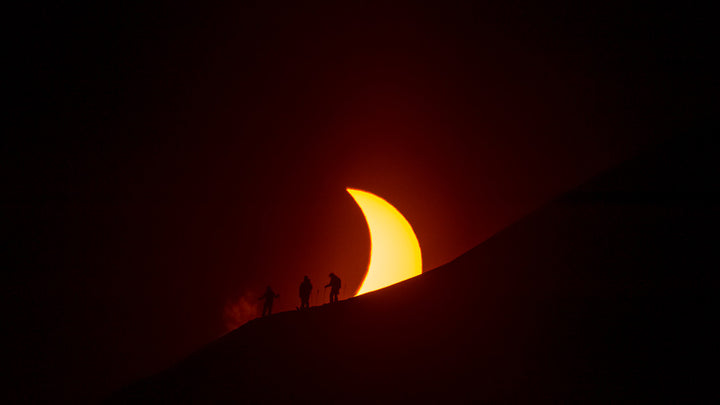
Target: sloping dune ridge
point(601, 296)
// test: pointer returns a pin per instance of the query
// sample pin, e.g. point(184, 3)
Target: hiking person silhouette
point(269, 297)
point(305, 291)
point(334, 287)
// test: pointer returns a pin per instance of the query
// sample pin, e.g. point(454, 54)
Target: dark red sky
point(166, 160)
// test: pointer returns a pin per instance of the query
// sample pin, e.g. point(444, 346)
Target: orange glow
point(394, 248)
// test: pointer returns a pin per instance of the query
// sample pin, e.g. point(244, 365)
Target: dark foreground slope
point(601, 296)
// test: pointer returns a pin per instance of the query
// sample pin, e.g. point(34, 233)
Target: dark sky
point(164, 161)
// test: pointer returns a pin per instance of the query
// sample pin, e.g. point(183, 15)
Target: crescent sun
point(394, 249)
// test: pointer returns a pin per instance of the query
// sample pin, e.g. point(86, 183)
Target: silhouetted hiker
point(269, 296)
point(334, 287)
point(305, 291)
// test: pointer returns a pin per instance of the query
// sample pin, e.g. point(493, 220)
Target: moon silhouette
point(394, 249)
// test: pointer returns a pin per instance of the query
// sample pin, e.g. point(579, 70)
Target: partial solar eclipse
point(394, 248)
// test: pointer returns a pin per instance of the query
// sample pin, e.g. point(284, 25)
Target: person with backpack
point(269, 297)
point(334, 287)
point(305, 291)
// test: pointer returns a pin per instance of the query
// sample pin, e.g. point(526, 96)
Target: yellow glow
point(394, 248)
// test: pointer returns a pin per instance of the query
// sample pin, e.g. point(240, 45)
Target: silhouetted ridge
point(599, 297)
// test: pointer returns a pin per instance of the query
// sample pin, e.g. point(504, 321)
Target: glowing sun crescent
point(394, 248)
